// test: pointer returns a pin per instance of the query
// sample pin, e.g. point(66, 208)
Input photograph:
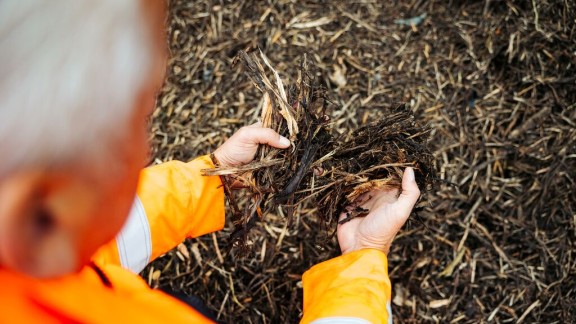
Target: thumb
point(410, 192)
point(266, 136)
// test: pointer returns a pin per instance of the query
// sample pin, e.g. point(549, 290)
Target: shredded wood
point(495, 82)
point(324, 168)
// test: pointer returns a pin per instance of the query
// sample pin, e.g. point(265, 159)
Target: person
point(79, 217)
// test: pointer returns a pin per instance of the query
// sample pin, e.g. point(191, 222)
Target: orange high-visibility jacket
point(174, 202)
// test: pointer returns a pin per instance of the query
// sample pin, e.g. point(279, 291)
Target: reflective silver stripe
point(340, 320)
point(134, 240)
point(351, 320)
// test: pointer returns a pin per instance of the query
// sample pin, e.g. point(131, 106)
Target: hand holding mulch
point(388, 211)
point(332, 171)
point(241, 148)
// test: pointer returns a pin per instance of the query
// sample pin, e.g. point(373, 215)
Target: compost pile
point(495, 82)
point(348, 168)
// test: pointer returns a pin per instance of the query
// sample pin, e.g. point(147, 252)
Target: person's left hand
point(388, 211)
point(241, 148)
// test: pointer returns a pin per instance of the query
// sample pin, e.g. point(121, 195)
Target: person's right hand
point(241, 148)
point(388, 213)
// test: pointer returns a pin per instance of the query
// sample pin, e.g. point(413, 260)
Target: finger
point(266, 136)
point(410, 192)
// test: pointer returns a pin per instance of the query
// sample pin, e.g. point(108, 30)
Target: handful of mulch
point(331, 170)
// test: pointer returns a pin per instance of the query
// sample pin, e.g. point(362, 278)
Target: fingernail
point(411, 176)
point(284, 141)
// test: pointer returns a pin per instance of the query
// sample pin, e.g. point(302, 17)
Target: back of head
point(69, 72)
point(73, 75)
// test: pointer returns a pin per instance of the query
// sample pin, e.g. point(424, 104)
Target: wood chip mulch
point(495, 81)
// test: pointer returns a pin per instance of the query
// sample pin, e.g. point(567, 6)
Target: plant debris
point(331, 170)
point(495, 81)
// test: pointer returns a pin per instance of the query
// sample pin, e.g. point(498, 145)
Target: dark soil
point(495, 81)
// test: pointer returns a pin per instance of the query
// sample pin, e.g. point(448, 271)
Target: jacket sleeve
point(352, 288)
point(173, 202)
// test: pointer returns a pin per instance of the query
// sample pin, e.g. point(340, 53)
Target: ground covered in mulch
point(496, 83)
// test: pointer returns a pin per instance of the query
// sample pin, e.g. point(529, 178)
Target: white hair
point(70, 71)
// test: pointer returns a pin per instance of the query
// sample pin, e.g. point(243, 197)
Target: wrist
point(355, 249)
point(215, 159)
point(363, 244)
point(229, 181)
point(218, 159)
